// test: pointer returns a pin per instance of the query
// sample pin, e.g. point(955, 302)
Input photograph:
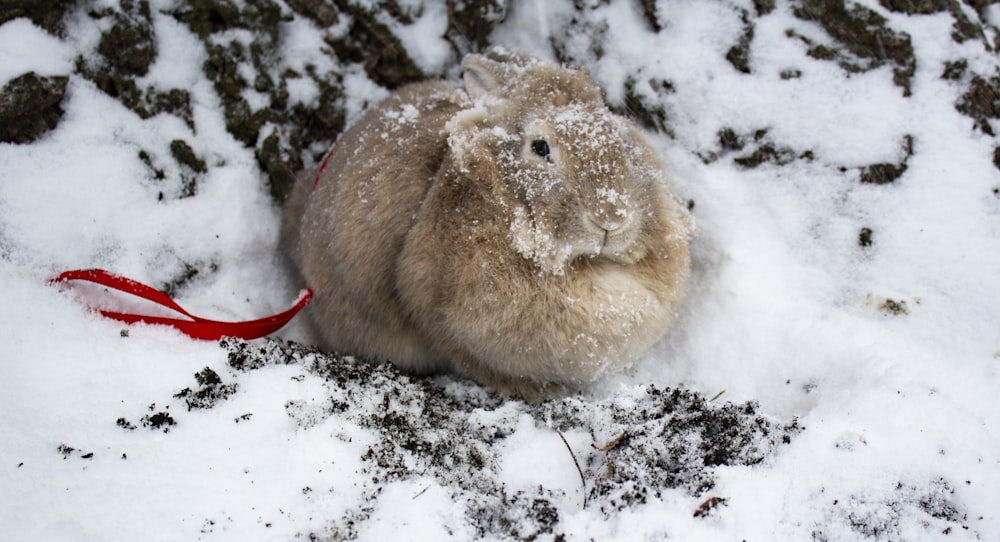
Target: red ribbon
point(322, 165)
point(196, 327)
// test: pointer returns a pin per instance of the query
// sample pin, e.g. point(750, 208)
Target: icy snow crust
point(844, 294)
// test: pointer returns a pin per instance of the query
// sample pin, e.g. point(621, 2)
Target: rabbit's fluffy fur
point(514, 231)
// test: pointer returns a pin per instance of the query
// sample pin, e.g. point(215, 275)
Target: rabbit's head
point(578, 181)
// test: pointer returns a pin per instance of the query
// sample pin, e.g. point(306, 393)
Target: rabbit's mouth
point(552, 248)
point(614, 238)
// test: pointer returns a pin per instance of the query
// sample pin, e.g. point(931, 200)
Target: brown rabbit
point(514, 231)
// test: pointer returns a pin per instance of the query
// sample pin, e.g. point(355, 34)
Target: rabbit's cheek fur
point(536, 241)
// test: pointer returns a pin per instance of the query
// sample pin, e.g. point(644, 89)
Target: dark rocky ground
point(29, 105)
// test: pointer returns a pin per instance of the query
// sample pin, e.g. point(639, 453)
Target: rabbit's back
point(344, 230)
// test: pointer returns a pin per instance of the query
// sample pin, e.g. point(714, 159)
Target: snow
point(783, 306)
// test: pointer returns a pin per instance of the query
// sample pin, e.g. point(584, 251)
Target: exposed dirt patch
point(30, 106)
point(158, 420)
point(124, 54)
point(884, 173)
point(644, 103)
point(47, 14)
point(982, 102)
point(739, 54)
point(912, 7)
point(470, 23)
point(865, 237)
point(452, 433)
point(371, 43)
point(210, 390)
point(865, 39)
point(753, 149)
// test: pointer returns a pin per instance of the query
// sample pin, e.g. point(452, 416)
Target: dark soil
point(286, 135)
point(739, 54)
point(865, 38)
point(30, 106)
point(865, 237)
point(210, 390)
point(158, 420)
point(647, 107)
point(669, 439)
point(982, 102)
point(884, 173)
point(47, 14)
point(753, 149)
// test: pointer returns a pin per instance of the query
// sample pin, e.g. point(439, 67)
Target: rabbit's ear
point(482, 75)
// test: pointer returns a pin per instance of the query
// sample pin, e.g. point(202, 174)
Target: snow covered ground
point(862, 317)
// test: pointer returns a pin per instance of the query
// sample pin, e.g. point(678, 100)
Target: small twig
point(583, 481)
point(422, 491)
point(614, 442)
point(716, 396)
point(607, 447)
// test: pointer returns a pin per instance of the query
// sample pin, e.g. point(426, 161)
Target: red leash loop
point(196, 327)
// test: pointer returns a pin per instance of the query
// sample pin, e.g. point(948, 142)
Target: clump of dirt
point(763, 7)
point(30, 106)
point(320, 11)
point(158, 420)
point(882, 173)
point(210, 390)
point(452, 433)
point(240, 64)
point(891, 307)
point(644, 103)
point(888, 306)
point(125, 424)
point(47, 14)
point(649, 12)
point(470, 22)
point(124, 53)
point(739, 54)
point(671, 438)
point(65, 450)
point(982, 102)
point(865, 237)
point(581, 41)
point(953, 71)
point(372, 44)
point(866, 40)
point(981, 99)
point(185, 275)
point(885, 172)
point(756, 148)
point(912, 7)
point(192, 167)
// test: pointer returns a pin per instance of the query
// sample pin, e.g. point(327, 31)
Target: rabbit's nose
point(608, 224)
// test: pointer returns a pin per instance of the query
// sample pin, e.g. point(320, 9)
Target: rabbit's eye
point(540, 147)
